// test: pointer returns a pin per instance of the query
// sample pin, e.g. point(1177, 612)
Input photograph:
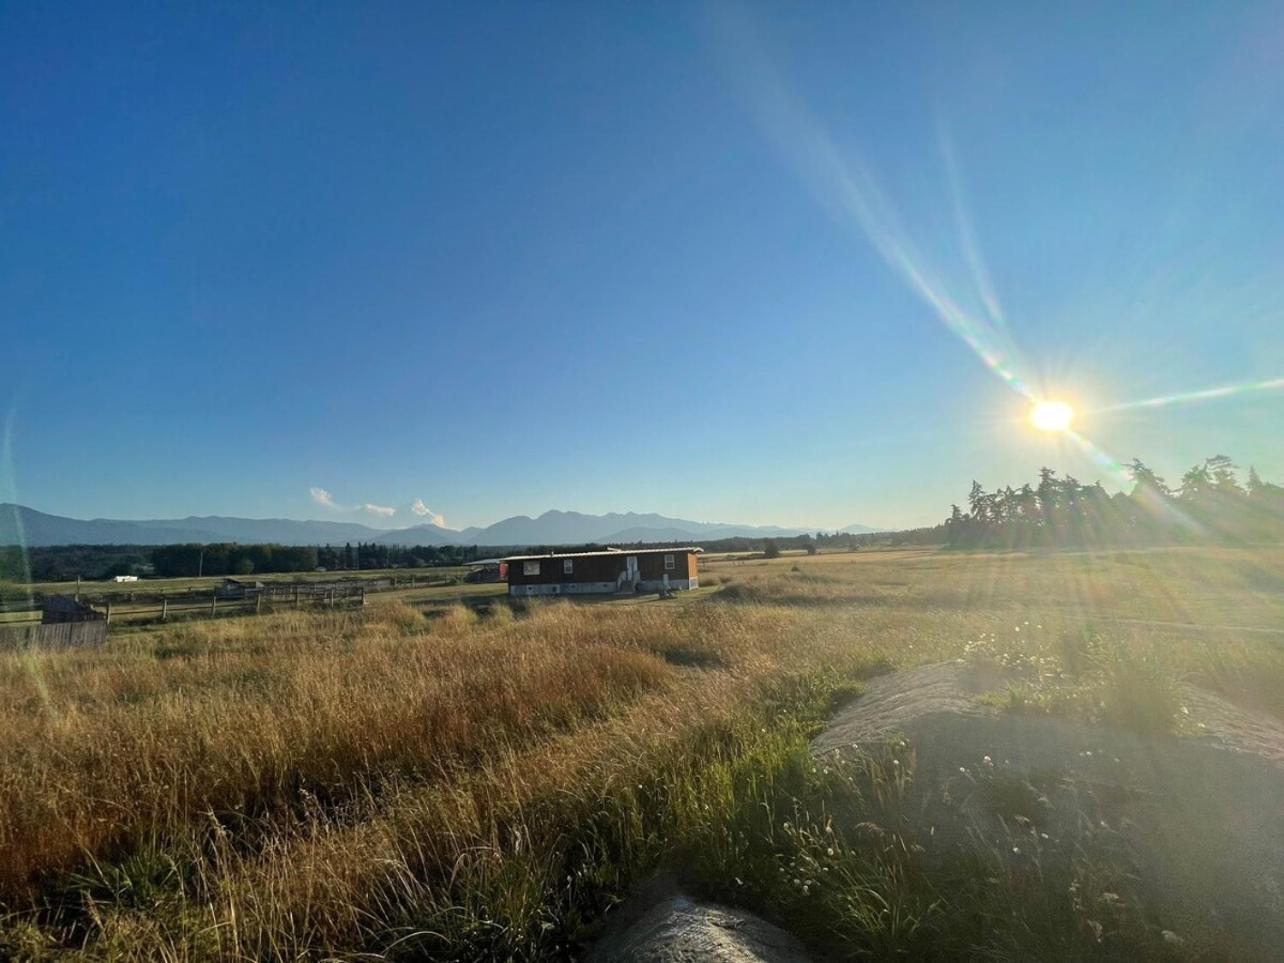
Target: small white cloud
point(322, 498)
point(423, 511)
point(326, 500)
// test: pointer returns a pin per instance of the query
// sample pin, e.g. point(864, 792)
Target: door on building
point(631, 567)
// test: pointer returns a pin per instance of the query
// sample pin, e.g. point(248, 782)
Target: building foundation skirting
point(677, 584)
point(598, 588)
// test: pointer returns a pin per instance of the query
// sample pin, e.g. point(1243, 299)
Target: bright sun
point(1051, 416)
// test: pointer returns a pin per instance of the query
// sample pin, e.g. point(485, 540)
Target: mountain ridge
point(20, 525)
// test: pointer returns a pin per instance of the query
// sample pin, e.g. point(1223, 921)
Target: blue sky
point(655, 257)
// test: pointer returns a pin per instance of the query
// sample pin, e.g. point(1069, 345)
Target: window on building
point(530, 568)
point(668, 563)
point(568, 565)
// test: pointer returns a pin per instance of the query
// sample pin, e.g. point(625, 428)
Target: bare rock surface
point(1235, 728)
point(896, 700)
point(1204, 813)
point(661, 924)
point(937, 706)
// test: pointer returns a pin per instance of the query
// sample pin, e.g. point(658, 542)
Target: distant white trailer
point(124, 578)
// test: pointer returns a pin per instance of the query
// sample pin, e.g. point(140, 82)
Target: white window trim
point(669, 563)
point(530, 568)
point(568, 566)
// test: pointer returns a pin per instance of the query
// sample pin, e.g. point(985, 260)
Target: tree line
point(232, 559)
point(1209, 504)
point(365, 555)
point(227, 558)
point(65, 563)
point(62, 563)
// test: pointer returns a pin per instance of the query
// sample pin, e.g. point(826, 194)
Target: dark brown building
point(604, 572)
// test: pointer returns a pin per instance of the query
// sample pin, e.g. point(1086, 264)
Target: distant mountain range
point(20, 525)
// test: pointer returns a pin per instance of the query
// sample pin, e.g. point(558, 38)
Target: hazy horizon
point(392, 525)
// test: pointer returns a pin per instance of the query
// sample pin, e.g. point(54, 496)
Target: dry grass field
point(409, 782)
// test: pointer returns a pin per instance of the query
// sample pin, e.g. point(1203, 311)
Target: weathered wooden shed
point(58, 609)
point(235, 588)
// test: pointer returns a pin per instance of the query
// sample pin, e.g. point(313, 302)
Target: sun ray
point(846, 187)
point(1193, 397)
point(967, 233)
point(1121, 476)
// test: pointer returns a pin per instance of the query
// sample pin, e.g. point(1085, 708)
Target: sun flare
point(1051, 416)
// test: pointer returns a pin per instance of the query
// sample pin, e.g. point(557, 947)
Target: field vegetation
point(405, 782)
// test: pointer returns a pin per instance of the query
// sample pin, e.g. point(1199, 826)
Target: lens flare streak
point(967, 233)
point(1191, 397)
point(845, 186)
point(1152, 501)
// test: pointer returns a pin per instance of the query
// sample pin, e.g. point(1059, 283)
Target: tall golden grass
point(327, 774)
point(100, 754)
point(320, 784)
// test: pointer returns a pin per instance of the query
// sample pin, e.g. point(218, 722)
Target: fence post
point(108, 618)
point(296, 595)
point(258, 603)
point(77, 588)
point(213, 604)
point(363, 596)
point(164, 607)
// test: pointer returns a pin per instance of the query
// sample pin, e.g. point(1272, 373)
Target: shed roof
point(609, 551)
point(63, 603)
point(66, 605)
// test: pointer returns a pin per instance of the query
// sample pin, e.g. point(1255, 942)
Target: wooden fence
point(57, 635)
point(140, 603)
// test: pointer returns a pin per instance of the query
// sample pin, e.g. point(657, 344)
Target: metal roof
point(609, 551)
